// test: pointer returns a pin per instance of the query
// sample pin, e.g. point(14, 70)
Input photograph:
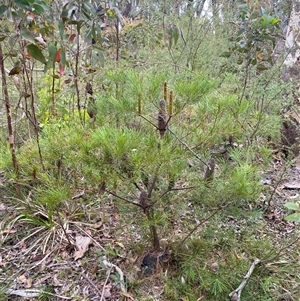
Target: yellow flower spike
point(165, 91)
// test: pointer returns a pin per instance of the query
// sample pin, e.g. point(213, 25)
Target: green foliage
point(294, 217)
point(253, 42)
point(73, 169)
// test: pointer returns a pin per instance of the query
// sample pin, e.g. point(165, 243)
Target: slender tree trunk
point(8, 113)
point(76, 84)
point(29, 77)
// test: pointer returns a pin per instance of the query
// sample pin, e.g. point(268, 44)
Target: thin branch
point(104, 285)
point(121, 198)
point(173, 189)
point(151, 187)
point(281, 250)
point(183, 143)
point(63, 228)
point(94, 285)
point(275, 187)
point(200, 224)
point(149, 121)
point(236, 294)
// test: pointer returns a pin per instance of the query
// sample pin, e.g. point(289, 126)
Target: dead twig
point(94, 285)
point(275, 187)
point(110, 266)
point(124, 199)
point(104, 285)
point(236, 294)
point(281, 250)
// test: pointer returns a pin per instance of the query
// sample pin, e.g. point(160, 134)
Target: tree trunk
point(8, 113)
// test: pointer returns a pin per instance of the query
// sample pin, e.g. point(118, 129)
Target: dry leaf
point(22, 278)
point(26, 281)
point(82, 244)
point(107, 291)
point(292, 185)
point(29, 283)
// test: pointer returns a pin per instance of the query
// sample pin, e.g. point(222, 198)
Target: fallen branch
point(236, 294)
point(110, 265)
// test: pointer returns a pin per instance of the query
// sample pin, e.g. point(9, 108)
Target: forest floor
point(102, 260)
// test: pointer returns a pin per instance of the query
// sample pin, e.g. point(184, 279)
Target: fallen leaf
point(107, 291)
point(82, 244)
point(292, 185)
point(26, 281)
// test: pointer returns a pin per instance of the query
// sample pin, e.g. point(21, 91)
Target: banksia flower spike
point(162, 118)
point(165, 91)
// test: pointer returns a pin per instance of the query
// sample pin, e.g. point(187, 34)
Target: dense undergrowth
point(207, 220)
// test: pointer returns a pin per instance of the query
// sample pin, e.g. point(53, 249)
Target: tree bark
point(8, 113)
